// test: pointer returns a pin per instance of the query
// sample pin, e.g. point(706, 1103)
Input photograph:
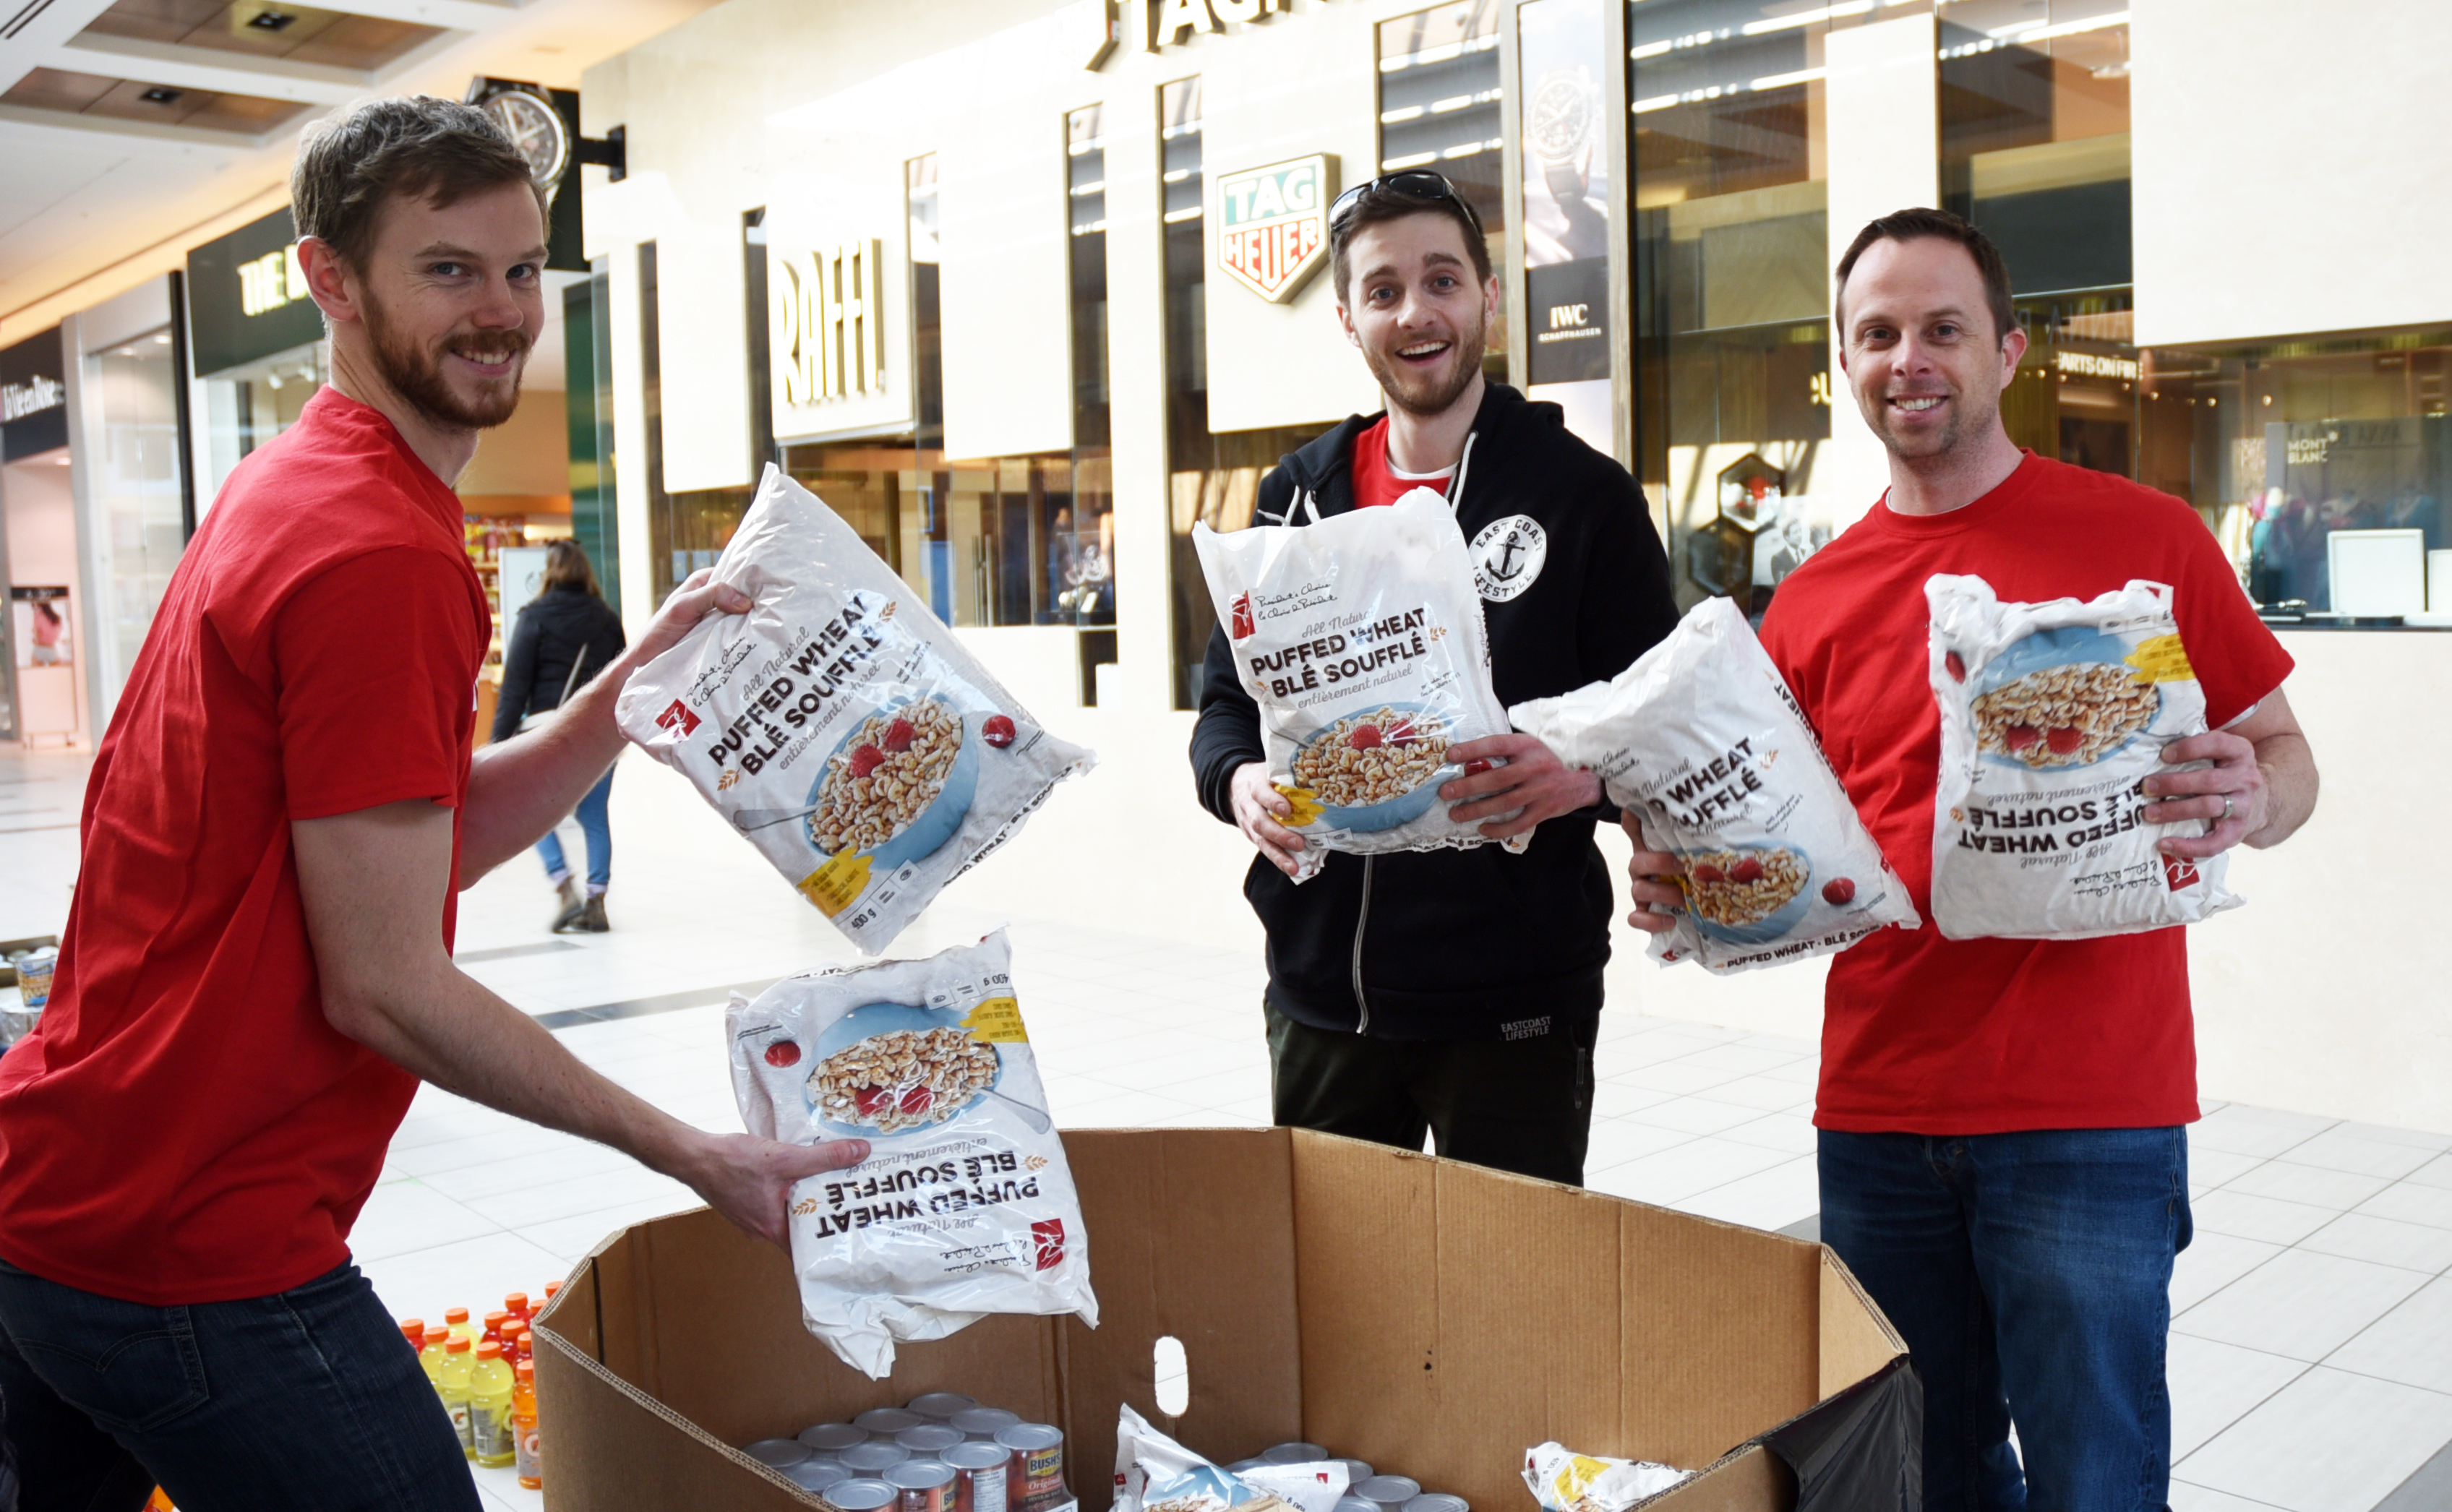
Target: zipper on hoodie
point(1362, 921)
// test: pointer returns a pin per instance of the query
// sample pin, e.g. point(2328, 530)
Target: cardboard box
point(1433, 1318)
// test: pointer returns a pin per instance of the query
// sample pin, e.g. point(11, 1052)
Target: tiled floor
point(2311, 1348)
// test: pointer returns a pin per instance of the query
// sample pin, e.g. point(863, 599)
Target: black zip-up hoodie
point(1477, 944)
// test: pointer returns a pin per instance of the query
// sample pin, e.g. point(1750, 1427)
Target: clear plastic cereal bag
point(1362, 640)
point(2052, 717)
point(1702, 741)
point(1563, 1481)
point(840, 726)
point(964, 1205)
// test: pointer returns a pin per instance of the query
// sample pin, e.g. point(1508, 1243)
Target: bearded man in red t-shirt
point(257, 970)
point(2002, 1154)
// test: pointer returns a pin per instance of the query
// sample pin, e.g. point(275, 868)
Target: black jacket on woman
point(553, 630)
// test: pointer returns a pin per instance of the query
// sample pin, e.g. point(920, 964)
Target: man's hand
point(1654, 875)
point(1257, 804)
point(1521, 779)
point(2261, 787)
point(749, 1180)
point(692, 602)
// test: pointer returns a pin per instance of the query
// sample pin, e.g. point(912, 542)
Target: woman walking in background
point(564, 637)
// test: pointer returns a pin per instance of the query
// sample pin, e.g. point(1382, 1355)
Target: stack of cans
point(941, 1452)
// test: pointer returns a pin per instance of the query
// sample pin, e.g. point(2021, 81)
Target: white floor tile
point(2299, 1303)
point(1770, 1199)
point(2246, 1216)
point(2329, 1442)
point(1675, 1174)
point(472, 1273)
point(1694, 1116)
point(2417, 1138)
point(1675, 1076)
point(1743, 1057)
point(1765, 1092)
point(1615, 1141)
point(2414, 1247)
point(2343, 1148)
point(2212, 1262)
point(2236, 1129)
point(2214, 1385)
point(2412, 1202)
point(2208, 1167)
point(404, 1216)
point(2436, 1172)
point(2286, 1179)
point(2189, 1498)
point(2412, 1343)
point(1793, 1133)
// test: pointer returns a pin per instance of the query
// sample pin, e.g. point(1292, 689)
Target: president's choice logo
point(1274, 225)
point(1244, 629)
point(1507, 557)
point(678, 719)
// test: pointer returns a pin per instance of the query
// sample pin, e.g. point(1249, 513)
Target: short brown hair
point(1379, 205)
point(1912, 224)
point(566, 566)
point(421, 147)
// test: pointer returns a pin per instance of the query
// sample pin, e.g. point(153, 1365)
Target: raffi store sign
point(1152, 26)
point(829, 326)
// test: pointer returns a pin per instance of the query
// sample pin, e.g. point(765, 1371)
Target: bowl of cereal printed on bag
point(2060, 698)
point(1747, 895)
point(889, 1068)
point(898, 783)
point(1374, 768)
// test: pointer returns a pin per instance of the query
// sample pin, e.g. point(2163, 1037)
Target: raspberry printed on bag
point(1702, 741)
point(839, 725)
point(2052, 717)
point(964, 1205)
point(1362, 640)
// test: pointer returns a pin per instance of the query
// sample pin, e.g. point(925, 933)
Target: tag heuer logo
point(1274, 224)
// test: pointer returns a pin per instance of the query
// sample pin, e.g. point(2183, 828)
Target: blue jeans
point(307, 1398)
point(599, 830)
point(2030, 1275)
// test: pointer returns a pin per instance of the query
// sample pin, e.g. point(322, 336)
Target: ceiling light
point(161, 94)
point(62, 460)
point(162, 339)
point(270, 20)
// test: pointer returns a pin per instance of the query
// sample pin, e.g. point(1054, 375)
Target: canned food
point(873, 1458)
point(831, 1438)
point(34, 973)
point(981, 1472)
point(1354, 1504)
point(816, 1475)
point(860, 1494)
point(1356, 1471)
point(1388, 1490)
point(1295, 1453)
point(939, 1405)
point(777, 1452)
point(1437, 1501)
point(929, 1440)
point(1037, 1463)
point(983, 1423)
point(887, 1421)
point(922, 1485)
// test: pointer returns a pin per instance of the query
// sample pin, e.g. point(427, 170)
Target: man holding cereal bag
point(2002, 1151)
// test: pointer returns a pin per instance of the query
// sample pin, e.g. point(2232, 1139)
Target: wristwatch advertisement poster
point(1566, 190)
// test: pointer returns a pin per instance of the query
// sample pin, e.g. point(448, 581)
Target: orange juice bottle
point(457, 1366)
point(523, 1426)
point(457, 1319)
point(490, 1405)
point(431, 1355)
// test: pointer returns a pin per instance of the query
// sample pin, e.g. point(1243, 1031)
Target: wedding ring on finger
point(2226, 808)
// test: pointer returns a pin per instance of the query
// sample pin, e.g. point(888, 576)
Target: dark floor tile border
point(505, 953)
point(644, 1006)
point(2428, 1489)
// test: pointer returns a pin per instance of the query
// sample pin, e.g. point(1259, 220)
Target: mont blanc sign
point(1272, 223)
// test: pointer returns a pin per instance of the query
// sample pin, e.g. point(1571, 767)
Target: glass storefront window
point(136, 494)
point(1440, 106)
point(247, 407)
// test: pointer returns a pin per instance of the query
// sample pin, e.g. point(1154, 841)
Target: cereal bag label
point(1362, 640)
point(965, 1204)
point(1702, 741)
point(2052, 717)
point(838, 726)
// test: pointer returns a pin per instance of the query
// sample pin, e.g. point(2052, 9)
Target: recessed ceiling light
point(162, 339)
point(160, 94)
point(270, 20)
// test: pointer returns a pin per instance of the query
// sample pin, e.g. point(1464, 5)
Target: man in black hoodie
point(1450, 993)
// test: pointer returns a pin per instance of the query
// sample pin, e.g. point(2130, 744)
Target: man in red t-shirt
point(257, 971)
point(2002, 1158)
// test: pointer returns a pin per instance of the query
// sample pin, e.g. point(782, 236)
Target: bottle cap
point(550, 1288)
point(435, 1338)
point(413, 1328)
point(455, 1315)
point(459, 1344)
point(516, 1301)
point(494, 1322)
point(488, 1349)
point(526, 1369)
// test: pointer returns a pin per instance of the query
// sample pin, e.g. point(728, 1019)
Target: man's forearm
point(522, 788)
point(2290, 785)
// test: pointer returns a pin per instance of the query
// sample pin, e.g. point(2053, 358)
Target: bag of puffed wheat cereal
point(1156, 1474)
point(964, 1205)
point(839, 725)
point(1362, 640)
point(1702, 741)
point(1563, 1481)
point(2052, 717)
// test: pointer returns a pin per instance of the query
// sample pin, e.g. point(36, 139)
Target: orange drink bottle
point(524, 1426)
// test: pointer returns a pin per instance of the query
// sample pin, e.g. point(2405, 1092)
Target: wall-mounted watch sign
point(34, 398)
point(1151, 26)
point(1272, 223)
point(247, 297)
point(829, 322)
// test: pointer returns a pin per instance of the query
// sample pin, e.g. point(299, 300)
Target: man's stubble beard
point(417, 376)
point(1473, 344)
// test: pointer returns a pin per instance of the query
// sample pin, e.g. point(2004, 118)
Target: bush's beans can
point(1356, 1471)
point(860, 1494)
point(983, 1423)
point(816, 1475)
point(939, 1405)
point(1437, 1501)
point(1296, 1453)
point(1037, 1453)
point(873, 1458)
point(981, 1473)
point(929, 1441)
point(884, 1423)
point(922, 1485)
point(1390, 1491)
point(1354, 1504)
point(831, 1438)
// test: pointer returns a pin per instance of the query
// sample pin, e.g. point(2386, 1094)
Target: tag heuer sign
point(1274, 224)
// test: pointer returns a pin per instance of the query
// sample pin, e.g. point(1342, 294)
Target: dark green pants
point(1524, 1105)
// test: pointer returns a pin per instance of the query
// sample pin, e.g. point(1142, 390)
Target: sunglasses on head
point(1413, 183)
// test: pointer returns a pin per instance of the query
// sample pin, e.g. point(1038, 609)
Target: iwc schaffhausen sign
point(1272, 223)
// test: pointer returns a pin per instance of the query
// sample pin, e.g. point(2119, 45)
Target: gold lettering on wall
point(830, 322)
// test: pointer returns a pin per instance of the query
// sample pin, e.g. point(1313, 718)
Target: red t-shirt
point(1933, 1037)
point(1376, 480)
point(184, 1126)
